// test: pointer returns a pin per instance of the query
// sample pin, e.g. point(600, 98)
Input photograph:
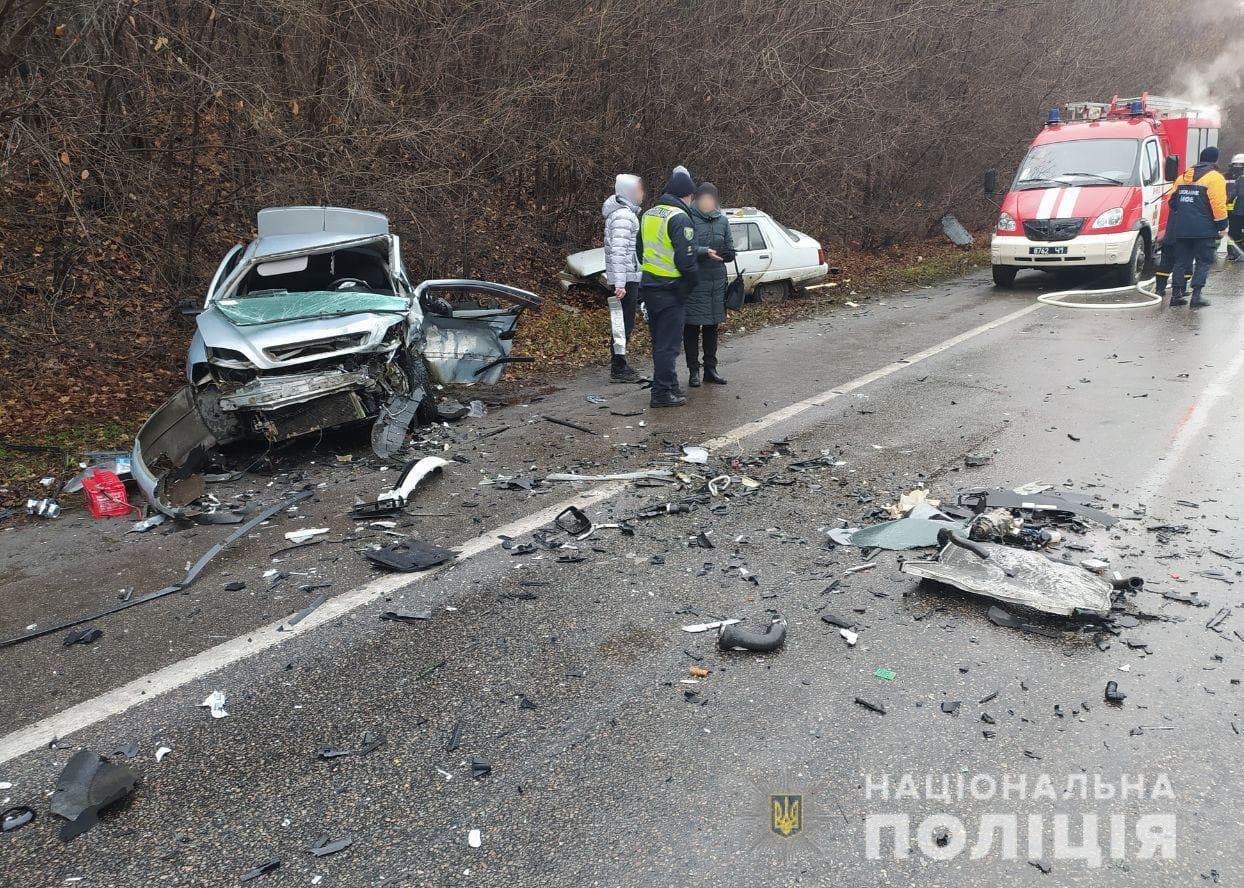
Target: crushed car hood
point(284, 344)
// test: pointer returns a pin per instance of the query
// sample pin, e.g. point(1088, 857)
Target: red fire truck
point(1090, 191)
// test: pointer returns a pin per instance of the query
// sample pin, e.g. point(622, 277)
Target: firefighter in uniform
point(1235, 207)
point(667, 259)
point(1199, 219)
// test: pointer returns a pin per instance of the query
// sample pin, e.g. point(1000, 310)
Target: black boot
point(693, 378)
point(1178, 298)
point(672, 400)
point(1197, 300)
point(711, 375)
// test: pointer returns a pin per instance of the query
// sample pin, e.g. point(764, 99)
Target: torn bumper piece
point(166, 442)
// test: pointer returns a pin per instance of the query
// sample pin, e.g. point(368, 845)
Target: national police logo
point(688, 233)
point(786, 814)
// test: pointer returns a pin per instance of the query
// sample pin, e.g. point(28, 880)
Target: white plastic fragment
point(305, 534)
point(162, 752)
point(216, 703)
point(694, 454)
point(474, 839)
point(704, 627)
point(868, 565)
point(147, 523)
point(851, 637)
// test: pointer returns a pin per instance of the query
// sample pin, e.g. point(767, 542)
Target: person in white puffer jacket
point(621, 211)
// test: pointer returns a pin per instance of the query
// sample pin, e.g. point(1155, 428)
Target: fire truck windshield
point(1079, 162)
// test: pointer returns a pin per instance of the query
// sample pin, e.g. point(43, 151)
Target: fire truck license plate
point(1047, 251)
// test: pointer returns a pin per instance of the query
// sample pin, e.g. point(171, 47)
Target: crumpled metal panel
point(457, 348)
point(1017, 577)
point(165, 442)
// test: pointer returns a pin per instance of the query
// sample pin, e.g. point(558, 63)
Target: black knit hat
point(680, 184)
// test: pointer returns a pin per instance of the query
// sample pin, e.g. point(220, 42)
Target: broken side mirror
point(991, 181)
point(189, 309)
point(1172, 167)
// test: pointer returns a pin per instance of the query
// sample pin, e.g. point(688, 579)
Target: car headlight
point(1006, 222)
point(1109, 219)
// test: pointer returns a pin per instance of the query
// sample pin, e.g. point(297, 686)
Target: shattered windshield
point(1080, 162)
point(270, 308)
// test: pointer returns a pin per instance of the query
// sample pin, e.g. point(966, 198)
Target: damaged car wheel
point(417, 378)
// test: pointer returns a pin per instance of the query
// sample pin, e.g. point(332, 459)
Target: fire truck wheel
point(1129, 273)
point(1004, 275)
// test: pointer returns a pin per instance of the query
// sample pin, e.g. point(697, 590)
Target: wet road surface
point(568, 676)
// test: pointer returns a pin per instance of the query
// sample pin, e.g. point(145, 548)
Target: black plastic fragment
point(13, 819)
point(573, 521)
point(323, 846)
point(731, 637)
point(235, 586)
point(1005, 619)
point(951, 707)
point(988, 697)
point(408, 616)
point(480, 767)
point(1113, 694)
point(263, 869)
point(838, 620)
point(87, 785)
point(409, 555)
point(126, 750)
point(874, 707)
point(455, 737)
point(86, 635)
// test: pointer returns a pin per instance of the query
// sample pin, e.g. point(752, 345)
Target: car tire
point(1004, 275)
point(1128, 274)
point(773, 291)
point(417, 377)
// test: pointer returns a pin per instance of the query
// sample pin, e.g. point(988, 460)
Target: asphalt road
point(569, 677)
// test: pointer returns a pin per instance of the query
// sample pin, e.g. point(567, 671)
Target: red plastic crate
point(105, 495)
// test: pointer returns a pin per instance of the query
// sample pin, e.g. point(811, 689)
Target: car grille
point(1052, 229)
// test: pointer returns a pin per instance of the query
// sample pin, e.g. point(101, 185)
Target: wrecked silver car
point(314, 325)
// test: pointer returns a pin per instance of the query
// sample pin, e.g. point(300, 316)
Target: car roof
point(313, 229)
point(740, 212)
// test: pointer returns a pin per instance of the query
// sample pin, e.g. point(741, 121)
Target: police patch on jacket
point(689, 233)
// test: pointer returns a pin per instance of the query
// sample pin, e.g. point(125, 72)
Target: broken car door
point(468, 328)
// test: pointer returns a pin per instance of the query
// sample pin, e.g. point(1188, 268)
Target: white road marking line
point(1046, 206)
point(1219, 386)
point(175, 675)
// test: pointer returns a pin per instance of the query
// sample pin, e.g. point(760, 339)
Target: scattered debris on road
point(88, 784)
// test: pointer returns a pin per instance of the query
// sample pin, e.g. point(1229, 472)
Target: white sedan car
point(774, 260)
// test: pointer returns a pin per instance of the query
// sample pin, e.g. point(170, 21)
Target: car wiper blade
point(1110, 179)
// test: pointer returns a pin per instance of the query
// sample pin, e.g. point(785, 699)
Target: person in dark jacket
point(1235, 207)
point(706, 303)
point(667, 261)
point(1199, 219)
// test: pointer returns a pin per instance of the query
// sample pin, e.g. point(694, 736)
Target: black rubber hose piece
point(1131, 584)
point(946, 535)
point(730, 637)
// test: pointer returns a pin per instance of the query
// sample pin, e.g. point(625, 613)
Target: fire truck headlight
point(1109, 219)
point(1006, 222)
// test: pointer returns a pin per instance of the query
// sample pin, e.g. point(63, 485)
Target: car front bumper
point(1085, 249)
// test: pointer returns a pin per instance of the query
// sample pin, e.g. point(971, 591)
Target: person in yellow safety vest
point(1199, 219)
point(667, 260)
point(1166, 254)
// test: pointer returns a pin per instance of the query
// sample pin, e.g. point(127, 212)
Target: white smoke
point(1212, 83)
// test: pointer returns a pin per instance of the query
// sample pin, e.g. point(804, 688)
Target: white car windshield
point(1079, 162)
